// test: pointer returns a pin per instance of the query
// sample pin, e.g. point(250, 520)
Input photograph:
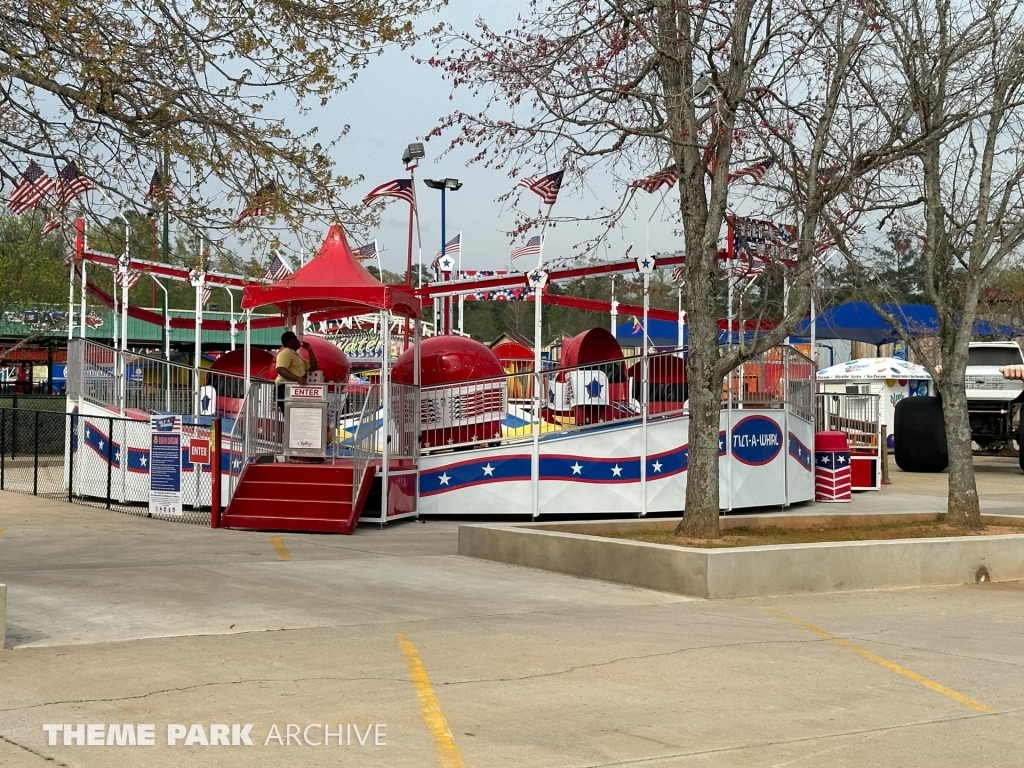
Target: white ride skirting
point(596, 471)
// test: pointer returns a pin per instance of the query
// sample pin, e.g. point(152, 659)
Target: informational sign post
point(305, 420)
point(165, 466)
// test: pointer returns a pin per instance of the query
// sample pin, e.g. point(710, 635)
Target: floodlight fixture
point(413, 152)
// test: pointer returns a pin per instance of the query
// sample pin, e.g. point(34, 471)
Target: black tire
point(1020, 442)
point(919, 435)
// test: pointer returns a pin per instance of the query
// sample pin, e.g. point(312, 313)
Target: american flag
point(207, 293)
point(755, 172)
point(532, 248)
point(71, 184)
point(131, 277)
point(32, 187)
point(52, 223)
point(400, 188)
point(158, 187)
point(257, 204)
point(278, 268)
point(654, 182)
point(451, 248)
point(546, 186)
point(368, 251)
point(679, 274)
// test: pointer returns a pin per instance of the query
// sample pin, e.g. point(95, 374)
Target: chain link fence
point(98, 461)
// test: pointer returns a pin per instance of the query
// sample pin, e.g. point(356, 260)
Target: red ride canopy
point(333, 282)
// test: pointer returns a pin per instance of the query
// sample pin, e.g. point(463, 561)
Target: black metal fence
point(98, 461)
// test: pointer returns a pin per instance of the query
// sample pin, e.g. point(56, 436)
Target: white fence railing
point(858, 416)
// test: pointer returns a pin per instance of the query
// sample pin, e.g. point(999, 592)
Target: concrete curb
point(751, 571)
point(3, 616)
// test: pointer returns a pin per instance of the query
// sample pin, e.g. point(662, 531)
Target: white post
point(71, 300)
point(231, 316)
point(728, 412)
point(123, 270)
point(540, 389)
point(785, 300)
point(680, 319)
point(644, 399)
point(538, 385)
point(814, 328)
point(82, 326)
point(615, 308)
point(114, 311)
point(417, 416)
point(197, 352)
point(247, 375)
point(124, 340)
point(385, 398)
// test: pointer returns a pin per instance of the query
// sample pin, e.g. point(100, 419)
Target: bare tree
point(962, 196)
point(621, 88)
point(112, 86)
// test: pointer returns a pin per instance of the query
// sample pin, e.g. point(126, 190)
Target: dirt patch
point(756, 537)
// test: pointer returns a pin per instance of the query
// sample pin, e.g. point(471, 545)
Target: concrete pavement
point(118, 619)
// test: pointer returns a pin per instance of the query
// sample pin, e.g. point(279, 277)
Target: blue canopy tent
point(662, 333)
point(858, 321)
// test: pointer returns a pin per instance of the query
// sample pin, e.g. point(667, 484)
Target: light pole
point(412, 153)
point(444, 185)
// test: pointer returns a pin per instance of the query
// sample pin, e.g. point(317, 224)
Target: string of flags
point(34, 185)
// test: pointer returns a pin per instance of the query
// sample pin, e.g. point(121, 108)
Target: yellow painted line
point(956, 696)
point(282, 550)
point(448, 755)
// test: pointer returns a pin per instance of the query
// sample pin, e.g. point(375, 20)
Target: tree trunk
point(963, 509)
point(700, 518)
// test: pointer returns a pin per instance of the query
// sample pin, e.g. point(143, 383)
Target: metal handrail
point(364, 441)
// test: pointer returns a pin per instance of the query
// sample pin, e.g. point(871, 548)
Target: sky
point(396, 101)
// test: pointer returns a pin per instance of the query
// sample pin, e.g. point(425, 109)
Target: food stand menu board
point(165, 466)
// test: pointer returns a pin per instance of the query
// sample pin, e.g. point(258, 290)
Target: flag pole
point(462, 296)
point(538, 321)
point(71, 295)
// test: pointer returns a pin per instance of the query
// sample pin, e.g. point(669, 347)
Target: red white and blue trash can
point(832, 479)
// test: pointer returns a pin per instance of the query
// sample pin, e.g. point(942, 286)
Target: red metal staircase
point(286, 496)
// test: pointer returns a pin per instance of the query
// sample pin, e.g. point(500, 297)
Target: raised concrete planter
point(751, 571)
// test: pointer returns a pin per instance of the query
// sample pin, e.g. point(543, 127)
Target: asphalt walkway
point(115, 619)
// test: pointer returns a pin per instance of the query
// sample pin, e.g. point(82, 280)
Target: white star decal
point(237, 463)
point(616, 471)
point(488, 471)
point(444, 478)
point(576, 468)
point(841, 459)
point(87, 433)
point(101, 445)
point(142, 460)
point(823, 459)
point(117, 456)
point(656, 466)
